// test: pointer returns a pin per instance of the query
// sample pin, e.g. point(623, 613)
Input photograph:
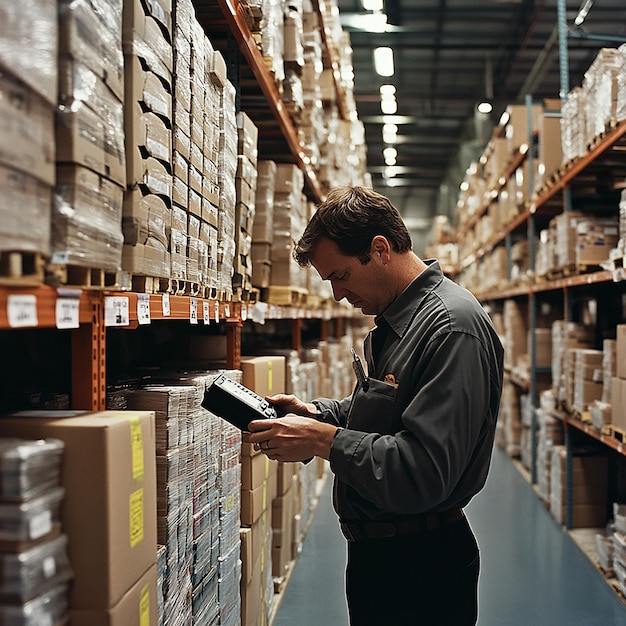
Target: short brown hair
point(352, 217)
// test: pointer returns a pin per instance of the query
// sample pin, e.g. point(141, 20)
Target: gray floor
point(532, 573)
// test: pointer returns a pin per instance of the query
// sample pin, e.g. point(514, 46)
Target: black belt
point(367, 531)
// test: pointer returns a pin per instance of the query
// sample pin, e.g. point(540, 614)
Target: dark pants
point(425, 579)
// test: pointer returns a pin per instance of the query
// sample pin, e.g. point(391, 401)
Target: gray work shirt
point(419, 439)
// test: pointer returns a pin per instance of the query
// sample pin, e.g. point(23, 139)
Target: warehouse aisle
point(532, 572)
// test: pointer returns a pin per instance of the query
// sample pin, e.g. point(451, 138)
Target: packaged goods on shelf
point(549, 151)
point(589, 488)
point(620, 107)
point(516, 130)
point(600, 92)
point(28, 467)
point(31, 572)
point(48, 608)
point(604, 551)
point(573, 126)
point(99, 450)
point(29, 45)
point(587, 378)
point(272, 38)
point(516, 331)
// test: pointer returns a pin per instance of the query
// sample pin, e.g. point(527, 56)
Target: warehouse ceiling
point(450, 55)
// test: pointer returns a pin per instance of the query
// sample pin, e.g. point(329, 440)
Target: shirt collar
point(401, 311)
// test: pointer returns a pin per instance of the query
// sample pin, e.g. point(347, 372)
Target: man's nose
point(338, 293)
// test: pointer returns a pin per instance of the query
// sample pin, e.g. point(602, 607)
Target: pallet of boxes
point(108, 510)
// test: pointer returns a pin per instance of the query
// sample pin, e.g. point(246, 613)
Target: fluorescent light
point(485, 107)
point(582, 14)
point(390, 154)
point(387, 90)
point(390, 133)
point(388, 106)
point(383, 61)
point(372, 5)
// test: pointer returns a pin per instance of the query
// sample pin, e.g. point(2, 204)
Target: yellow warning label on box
point(136, 517)
point(144, 607)
point(270, 377)
point(136, 446)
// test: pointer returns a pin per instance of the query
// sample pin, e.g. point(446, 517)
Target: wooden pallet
point(94, 278)
point(150, 284)
point(617, 433)
point(21, 268)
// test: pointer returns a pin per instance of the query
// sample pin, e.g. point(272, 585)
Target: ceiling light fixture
point(583, 12)
point(372, 5)
point(383, 61)
point(485, 108)
point(391, 155)
point(389, 106)
point(390, 133)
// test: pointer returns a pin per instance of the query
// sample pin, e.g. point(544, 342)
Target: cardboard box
point(621, 350)
point(84, 139)
point(255, 470)
point(136, 11)
point(151, 176)
point(145, 88)
point(517, 131)
point(550, 153)
point(109, 510)
point(138, 607)
point(27, 131)
point(265, 375)
point(85, 36)
point(254, 502)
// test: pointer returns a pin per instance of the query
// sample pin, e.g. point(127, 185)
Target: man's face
point(363, 286)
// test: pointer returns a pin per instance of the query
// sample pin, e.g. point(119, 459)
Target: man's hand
point(288, 403)
point(292, 437)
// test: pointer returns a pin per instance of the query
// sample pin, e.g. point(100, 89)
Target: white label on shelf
point(206, 312)
point(143, 308)
point(40, 524)
point(227, 310)
point(116, 311)
point(193, 310)
point(259, 312)
point(165, 305)
point(217, 311)
point(244, 312)
point(67, 312)
point(22, 310)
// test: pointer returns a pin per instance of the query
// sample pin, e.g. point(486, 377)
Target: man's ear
point(381, 247)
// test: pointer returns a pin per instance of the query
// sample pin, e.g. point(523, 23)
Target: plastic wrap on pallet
point(28, 44)
point(573, 126)
point(600, 92)
point(620, 108)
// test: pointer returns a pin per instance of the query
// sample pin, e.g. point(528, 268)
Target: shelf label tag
point(67, 309)
point(22, 310)
point(165, 305)
point(143, 308)
point(244, 312)
point(116, 311)
point(217, 311)
point(206, 314)
point(193, 310)
point(227, 310)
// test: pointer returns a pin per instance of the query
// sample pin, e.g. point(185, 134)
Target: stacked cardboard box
point(573, 130)
point(595, 238)
point(618, 384)
point(589, 489)
point(587, 379)
point(516, 332)
point(567, 336)
point(265, 375)
point(601, 411)
point(290, 212)
point(245, 209)
point(86, 225)
point(550, 434)
point(114, 577)
point(263, 225)
point(148, 65)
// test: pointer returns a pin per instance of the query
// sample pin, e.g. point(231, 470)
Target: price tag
point(67, 308)
point(143, 308)
point(217, 311)
point(193, 310)
point(244, 312)
point(206, 315)
point(165, 305)
point(22, 310)
point(116, 311)
point(227, 310)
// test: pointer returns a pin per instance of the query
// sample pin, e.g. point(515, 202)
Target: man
point(412, 445)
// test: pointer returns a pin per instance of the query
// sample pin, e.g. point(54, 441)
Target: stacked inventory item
point(620, 107)
point(28, 96)
point(86, 224)
point(227, 170)
point(290, 213)
point(566, 336)
point(573, 131)
point(148, 61)
point(246, 187)
point(272, 39)
point(33, 551)
point(263, 225)
point(173, 405)
point(586, 378)
point(293, 58)
point(589, 488)
point(617, 556)
point(115, 574)
point(550, 434)
point(600, 410)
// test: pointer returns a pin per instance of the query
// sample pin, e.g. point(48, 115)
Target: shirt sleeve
point(427, 466)
point(333, 411)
